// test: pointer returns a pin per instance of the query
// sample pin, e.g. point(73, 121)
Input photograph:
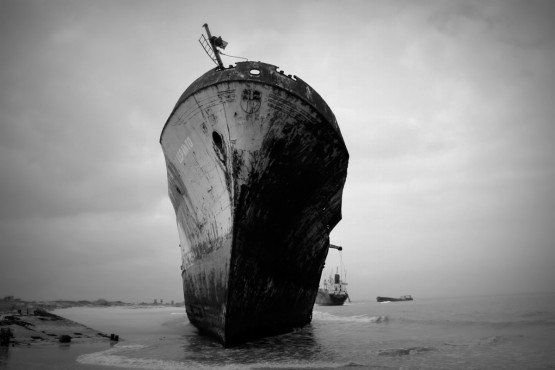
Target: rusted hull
point(256, 166)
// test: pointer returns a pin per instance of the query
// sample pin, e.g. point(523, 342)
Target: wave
point(405, 351)
point(487, 341)
point(324, 316)
point(111, 357)
point(467, 323)
point(118, 357)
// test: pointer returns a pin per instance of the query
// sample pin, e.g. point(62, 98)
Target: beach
point(38, 338)
point(42, 327)
point(487, 332)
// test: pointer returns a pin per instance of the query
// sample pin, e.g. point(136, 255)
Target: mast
point(215, 42)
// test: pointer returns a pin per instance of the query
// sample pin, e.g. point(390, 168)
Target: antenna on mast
point(211, 46)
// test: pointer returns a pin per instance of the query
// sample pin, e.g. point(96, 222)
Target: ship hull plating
point(256, 166)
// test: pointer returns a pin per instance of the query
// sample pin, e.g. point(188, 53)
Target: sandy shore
point(42, 327)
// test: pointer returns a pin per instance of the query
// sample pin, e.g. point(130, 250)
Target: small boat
point(334, 290)
point(400, 299)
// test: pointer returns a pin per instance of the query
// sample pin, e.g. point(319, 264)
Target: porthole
point(217, 140)
point(255, 72)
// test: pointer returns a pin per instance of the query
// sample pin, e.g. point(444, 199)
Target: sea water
point(491, 332)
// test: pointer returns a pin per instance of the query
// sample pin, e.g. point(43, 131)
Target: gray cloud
point(445, 108)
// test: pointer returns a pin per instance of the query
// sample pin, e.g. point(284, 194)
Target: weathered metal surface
point(256, 166)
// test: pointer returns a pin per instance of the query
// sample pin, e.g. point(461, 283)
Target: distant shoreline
point(11, 305)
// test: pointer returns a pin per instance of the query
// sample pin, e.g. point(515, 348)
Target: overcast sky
point(447, 109)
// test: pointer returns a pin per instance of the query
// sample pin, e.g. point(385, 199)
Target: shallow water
point(503, 332)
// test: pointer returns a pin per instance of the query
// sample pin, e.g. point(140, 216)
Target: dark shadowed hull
point(256, 166)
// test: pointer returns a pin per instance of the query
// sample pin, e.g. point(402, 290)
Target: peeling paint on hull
point(256, 166)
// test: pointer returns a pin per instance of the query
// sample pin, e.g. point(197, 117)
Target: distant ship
point(400, 299)
point(334, 290)
point(256, 166)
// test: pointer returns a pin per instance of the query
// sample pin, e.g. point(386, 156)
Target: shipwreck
point(256, 166)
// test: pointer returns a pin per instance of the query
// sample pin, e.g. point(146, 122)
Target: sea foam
point(115, 357)
point(324, 316)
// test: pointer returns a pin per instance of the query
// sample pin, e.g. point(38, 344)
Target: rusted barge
point(256, 166)
point(400, 299)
